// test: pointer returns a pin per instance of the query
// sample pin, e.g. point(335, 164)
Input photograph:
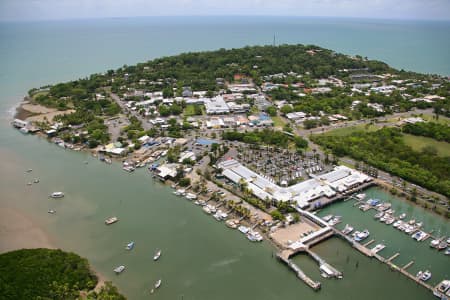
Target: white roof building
point(216, 105)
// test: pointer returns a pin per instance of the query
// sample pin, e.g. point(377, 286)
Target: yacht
point(425, 276)
point(443, 286)
point(254, 236)
point(111, 220)
point(157, 255)
point(119, 269)
point(435, 243)
point(361, 196)
point(243, 229)
point(327, 218)
point(378, 248)
point(397, 223)
point(57, 195)
point(402, 216)
point(359, 236)
point(378, 215)
point(442, 245)
point(348, 229)
point(410, 229)
point(130, 246)
point(231, 223)
point(191, 196)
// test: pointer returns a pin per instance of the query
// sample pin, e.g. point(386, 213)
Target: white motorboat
point(435, 243)
point(425, 276)
point(243, 229)
point(119, 269)
point(111, 220)
point(359, 236)
point(51, 211)
point(191, 196)
point(130, 246)
point(158, 284)
point(157, 255)
point(402, 216)
point(57, 195)
point(327, 218)
point(397, 223)
point(348, 229)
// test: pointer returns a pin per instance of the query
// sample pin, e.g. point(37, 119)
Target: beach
point(18, 231)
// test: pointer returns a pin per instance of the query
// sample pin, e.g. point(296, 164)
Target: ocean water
point(202, 259)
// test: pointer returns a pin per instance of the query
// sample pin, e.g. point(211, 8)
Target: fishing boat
point(51, 211)
point(157, 255)
point(57, 195)
point(130, 246)
point(425, 276)
point(402, 216)
point(111, 220)
point(119, 269)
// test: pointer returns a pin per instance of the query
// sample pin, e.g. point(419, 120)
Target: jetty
point(284, 257)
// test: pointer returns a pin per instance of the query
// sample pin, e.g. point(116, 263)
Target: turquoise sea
point(202, 259)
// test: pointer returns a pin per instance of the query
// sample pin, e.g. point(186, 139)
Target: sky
point(28, 10)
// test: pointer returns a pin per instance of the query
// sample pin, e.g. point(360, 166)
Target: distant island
point(50, 274)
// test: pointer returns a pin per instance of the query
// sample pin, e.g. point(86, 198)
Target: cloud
point(65, 9)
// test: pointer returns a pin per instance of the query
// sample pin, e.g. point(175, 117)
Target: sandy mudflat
point(18, 231)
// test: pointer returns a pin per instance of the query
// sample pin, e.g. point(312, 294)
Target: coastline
point(18, 230)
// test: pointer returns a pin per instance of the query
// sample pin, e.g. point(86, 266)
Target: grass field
point(278, 121)
point(190, 110)
point(349, 130)
point(418, 142)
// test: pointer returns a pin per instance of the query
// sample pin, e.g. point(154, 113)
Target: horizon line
point(222, 16)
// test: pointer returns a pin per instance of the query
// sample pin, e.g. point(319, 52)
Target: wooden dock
point(368, 243)
point(408, 265)
point(393, 257)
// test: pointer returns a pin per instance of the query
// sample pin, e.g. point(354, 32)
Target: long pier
point(315, 285)
point(388, 261)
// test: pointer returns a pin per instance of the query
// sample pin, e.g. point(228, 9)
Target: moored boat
point(348, 229)
point(130, 246)
point(402, 216)
point(359, 236)
point(425, 276)
point(157, 255)
point(378, 215)
point(158, 284)
point(57, 195)
point(435, 243)
point(111, 220)
point(119, 269)
point(442, 245)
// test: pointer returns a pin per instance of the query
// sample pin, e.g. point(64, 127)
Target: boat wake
point(224, 262)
